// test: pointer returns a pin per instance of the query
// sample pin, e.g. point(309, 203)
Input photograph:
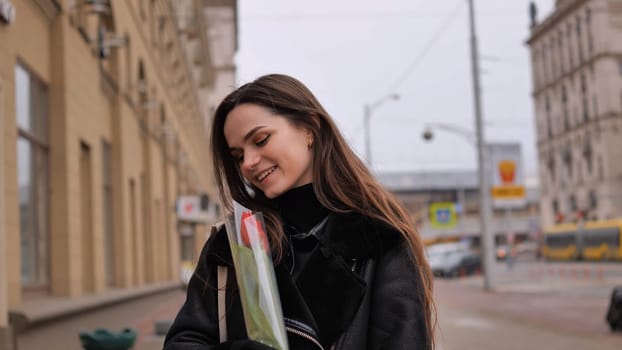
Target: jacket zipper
point(297, 328)
point(304, 335)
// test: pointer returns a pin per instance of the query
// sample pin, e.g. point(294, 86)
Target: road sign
point(443, 215)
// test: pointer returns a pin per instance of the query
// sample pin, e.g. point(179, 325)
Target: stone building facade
point(104, 116)
point(576, 58)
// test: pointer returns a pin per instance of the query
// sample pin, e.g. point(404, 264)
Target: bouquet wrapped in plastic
point(255, 276)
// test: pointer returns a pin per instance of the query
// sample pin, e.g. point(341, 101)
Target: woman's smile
point(265, 174)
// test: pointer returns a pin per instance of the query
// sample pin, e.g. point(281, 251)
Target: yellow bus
point(601, 240)
point(593, 240)
point(560, 242)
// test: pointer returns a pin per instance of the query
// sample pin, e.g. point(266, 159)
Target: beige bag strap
point(222, 316)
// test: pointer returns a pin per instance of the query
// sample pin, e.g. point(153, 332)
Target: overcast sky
point(355, 52)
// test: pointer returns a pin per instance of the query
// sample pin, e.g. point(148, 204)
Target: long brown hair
point(341, 182)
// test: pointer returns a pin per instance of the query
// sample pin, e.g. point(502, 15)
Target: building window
point(552, 56)
point(573, 203)
point(108, 217)
point(86, 217)
point(588, 21)
point(570, 60)
point(552, 59)
point(593, 199)
point(560, 43)
point(549, 124)
point(134, 231)
point(579, 171)
point(536, 70)
point(555, 206)
point(567, 157)
point(32, 176)
point(579, 44)
point(565, 109)
point(586, 116)
point(545, 71)
point(551, 166)
point(587, 154)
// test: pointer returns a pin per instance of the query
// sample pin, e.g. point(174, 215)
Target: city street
point(534, 305)
point(466, 327)
point(528, 309)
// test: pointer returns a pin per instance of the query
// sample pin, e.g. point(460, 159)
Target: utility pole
point(487, 242)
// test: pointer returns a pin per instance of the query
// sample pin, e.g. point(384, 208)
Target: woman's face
point(272, 154)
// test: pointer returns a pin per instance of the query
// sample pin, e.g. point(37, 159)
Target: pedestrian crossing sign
point(443, 215)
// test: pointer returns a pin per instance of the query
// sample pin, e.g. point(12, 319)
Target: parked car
point(523, 250)
point(453, 260)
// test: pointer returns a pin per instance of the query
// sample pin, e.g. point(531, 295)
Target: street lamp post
point(368, 110)
point(484, 184)
point(460, 131)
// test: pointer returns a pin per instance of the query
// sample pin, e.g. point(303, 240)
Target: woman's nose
point(251, 159)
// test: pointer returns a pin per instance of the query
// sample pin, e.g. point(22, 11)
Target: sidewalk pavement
point(565, 305)
point(139, 314)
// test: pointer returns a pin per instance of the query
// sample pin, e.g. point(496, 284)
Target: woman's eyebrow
point(252, 132)
point(248, 135)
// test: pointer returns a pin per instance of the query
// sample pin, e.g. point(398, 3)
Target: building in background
point(105, 108)
point(576, 58)
point(444, 206)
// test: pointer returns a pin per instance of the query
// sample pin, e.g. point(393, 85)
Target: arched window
point(588, 21)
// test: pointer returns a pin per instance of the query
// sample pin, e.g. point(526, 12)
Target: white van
point(452, 259)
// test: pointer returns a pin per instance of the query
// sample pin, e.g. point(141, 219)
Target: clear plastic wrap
point(255, 276)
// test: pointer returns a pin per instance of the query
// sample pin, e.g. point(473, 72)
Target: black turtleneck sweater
point(301, 213)
point(300, 209)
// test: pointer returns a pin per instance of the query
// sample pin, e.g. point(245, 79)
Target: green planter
point(103, 339)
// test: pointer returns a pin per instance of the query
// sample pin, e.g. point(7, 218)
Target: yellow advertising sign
point(443, 215)
point(508, 192)
point(508, 185)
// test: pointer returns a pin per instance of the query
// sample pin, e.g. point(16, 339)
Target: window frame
point(39, 145)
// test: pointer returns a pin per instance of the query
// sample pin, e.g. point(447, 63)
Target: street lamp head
point(427, 135)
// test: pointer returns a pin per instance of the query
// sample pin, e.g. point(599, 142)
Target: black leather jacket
point(358, 290)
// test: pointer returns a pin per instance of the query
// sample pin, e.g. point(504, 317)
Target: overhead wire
point(426, 49)
point(422, 54)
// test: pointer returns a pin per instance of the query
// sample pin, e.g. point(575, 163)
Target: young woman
point(350, 268)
